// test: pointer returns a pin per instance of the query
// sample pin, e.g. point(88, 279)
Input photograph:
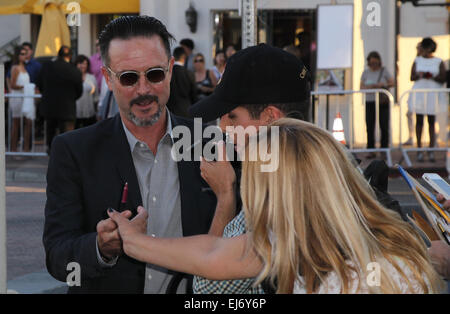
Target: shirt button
point(154, 198)
point(142, 145)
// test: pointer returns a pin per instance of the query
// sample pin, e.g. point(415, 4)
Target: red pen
point(123, 202)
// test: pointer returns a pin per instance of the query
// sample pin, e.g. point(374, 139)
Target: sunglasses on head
point(130, 78)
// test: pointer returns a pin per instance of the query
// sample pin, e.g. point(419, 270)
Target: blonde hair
point(317, 212)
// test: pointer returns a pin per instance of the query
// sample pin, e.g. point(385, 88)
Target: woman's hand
point(219, 175)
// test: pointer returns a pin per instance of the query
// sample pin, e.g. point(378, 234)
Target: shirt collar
point(179, 63)
point(132, 140)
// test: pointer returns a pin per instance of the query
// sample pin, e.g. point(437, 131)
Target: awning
point(53, 33)
point(87, 6)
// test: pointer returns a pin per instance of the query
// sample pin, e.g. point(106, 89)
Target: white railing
point(377, 92)
point(425, 92)
point(21, 152)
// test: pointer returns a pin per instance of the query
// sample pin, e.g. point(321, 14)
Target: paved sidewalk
point(26, 168)
point(36, 283)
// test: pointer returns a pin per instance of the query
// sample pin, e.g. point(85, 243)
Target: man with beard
point(122, 163)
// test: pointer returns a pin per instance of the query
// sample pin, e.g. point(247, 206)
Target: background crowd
point(192, 81)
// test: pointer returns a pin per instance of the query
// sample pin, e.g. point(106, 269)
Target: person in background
point(231, 50)
point(61, 85)
point(19, 79)
point(32, 66)
point(86, 112)
point(427, 71)
point(183, 91)
point(96, 67)
point(410, 112)
point(204, 78)
point(376, 77)
point(301, 239)
point(188, 46)
point(219, 64)
point(108, 107)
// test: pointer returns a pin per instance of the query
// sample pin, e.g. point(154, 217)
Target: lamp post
point(249, 23)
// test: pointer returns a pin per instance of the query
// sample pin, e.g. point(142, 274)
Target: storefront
point(397, 29)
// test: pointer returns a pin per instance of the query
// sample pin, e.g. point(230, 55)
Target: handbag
point(384, 99)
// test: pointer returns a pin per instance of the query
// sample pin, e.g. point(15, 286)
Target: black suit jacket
point(61, 85)
point(86, 173)
point(183, 91)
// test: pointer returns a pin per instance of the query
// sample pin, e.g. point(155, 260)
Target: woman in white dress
point(314, 226)
point(19, 79)
point(427, 72)
point(86, 111)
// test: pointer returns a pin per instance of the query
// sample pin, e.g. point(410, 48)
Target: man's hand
point(109, 241)
point(127, 228)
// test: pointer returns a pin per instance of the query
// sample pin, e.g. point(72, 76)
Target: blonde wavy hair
point(317, 212)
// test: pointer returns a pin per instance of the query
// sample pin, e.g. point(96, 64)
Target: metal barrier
point(377, 92)
point(32, 151)
point(425, 92)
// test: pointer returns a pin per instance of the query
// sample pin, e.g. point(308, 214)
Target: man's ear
point(272, 113)
point(107, 77)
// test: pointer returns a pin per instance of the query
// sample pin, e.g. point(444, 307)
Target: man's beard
point(145, 121)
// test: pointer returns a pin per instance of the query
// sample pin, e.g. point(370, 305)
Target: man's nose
point(143, 85)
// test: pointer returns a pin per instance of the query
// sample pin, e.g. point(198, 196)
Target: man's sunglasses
point(198, 60)
point(130, 78)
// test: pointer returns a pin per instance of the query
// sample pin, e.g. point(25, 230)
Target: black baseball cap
point(260, 74)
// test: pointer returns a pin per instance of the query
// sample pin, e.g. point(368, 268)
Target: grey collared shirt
point(160, 191)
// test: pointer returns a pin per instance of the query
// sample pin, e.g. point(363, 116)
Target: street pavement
point(25, 202)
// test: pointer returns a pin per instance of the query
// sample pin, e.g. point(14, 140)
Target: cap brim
point(210, 108)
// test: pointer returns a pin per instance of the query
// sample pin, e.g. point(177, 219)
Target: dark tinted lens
point(156, 75)
point(128, 78)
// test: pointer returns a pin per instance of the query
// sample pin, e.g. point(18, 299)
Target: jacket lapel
point(187, 172)
point(124, 165)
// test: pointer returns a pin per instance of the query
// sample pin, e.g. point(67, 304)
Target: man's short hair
point(178, 53)
point(27, 44)
point(127, 27)
point(296, 110)
point(188, 43)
